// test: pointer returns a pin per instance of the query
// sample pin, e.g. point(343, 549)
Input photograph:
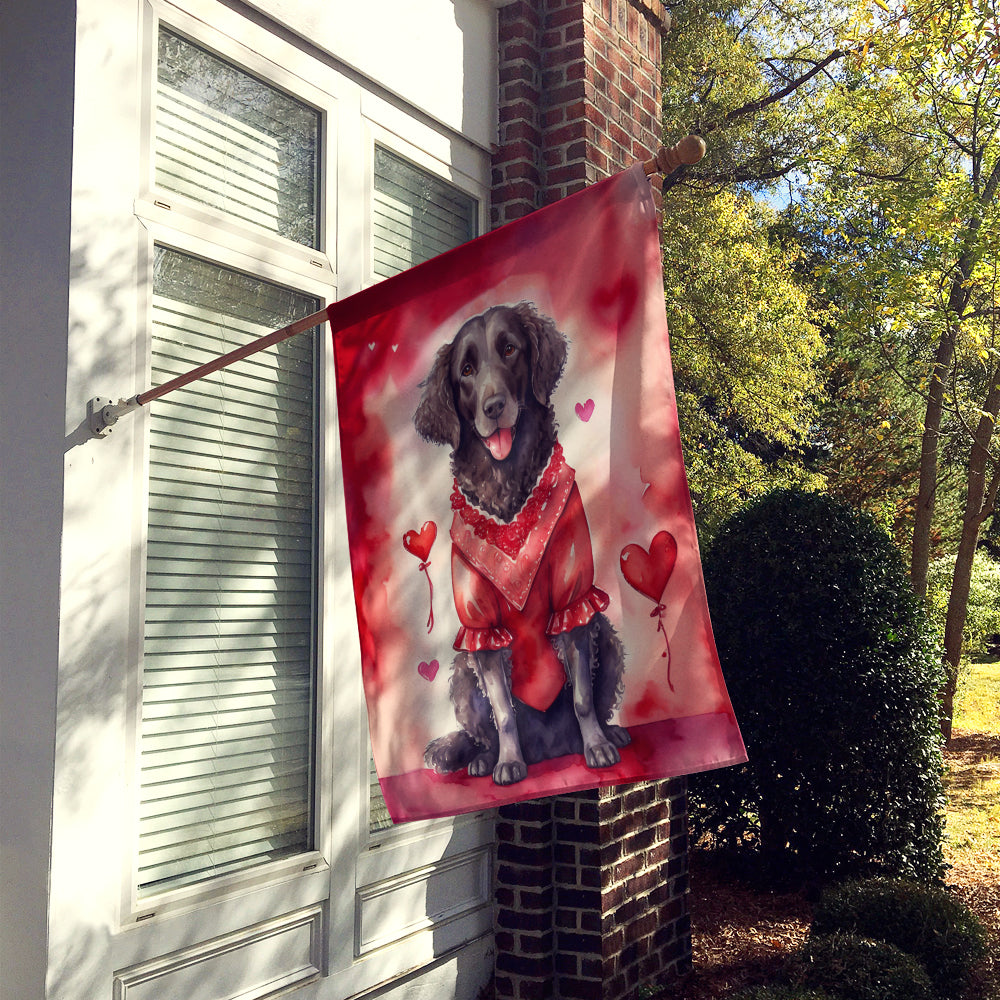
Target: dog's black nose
point(494, 405)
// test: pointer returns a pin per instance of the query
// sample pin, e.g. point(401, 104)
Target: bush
point(833, 674)
point(856, 968)
point(925, 922)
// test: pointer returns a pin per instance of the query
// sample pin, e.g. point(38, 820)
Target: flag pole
point(103, 414)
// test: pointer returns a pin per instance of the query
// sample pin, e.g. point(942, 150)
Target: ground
point(974, 836)
point(741, 934)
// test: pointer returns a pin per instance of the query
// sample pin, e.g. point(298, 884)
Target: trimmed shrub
point(856, 968)
point(924, 921)
point(833, 673)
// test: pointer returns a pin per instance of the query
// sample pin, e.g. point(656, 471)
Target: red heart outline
point(648, 572)
point(419, 543)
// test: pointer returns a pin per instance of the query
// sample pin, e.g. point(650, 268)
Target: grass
point(978, 698)
point(973, 781)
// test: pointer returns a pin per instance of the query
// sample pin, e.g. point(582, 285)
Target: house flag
point(528, 588)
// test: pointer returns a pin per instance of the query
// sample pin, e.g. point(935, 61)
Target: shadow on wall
point(446, 906)
point(93, 712)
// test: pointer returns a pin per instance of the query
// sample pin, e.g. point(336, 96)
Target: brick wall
point(579, 96)
point(591, 893)
point(591, 888)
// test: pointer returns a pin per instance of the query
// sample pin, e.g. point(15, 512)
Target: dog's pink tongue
point(499, 443)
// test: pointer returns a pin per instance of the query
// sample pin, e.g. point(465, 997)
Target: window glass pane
point(228, 140)
point(416, 216)
point(228, 655)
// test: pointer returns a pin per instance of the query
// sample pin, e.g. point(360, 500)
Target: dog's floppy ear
point(548, 347)
point(436, 418)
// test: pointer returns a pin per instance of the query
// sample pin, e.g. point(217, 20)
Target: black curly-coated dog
point(488, 398)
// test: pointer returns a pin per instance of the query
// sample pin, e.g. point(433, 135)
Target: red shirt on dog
point(517, 584)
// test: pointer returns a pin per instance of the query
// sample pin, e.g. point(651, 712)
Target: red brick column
point(591, 888)
point(517, 161)
point(579, 96)
point(524, 902)
point(591, 893)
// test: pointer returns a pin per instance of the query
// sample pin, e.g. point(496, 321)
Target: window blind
point(225, 139)
point(228, 654)
point(415, 216)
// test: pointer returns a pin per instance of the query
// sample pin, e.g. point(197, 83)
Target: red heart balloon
point(648, 572)
point(419, 542)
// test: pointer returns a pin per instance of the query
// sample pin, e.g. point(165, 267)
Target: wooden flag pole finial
point(668, 158)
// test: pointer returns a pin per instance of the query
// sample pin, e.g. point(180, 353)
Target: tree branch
point(754, 106)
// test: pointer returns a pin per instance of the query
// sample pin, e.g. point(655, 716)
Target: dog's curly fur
point(525, 354)
point(499, 488)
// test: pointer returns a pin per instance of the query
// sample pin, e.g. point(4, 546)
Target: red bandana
point(510, 537)
point(509, 554)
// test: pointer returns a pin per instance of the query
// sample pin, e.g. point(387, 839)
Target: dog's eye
point(509, 351)
point(466, 369)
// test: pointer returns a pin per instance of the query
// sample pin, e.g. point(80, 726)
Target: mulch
point(742, 934)
point(975, 879)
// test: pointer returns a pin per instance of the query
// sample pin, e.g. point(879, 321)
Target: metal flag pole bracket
point(103, 413)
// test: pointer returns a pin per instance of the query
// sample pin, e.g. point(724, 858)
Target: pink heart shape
point(585, 410)
point(428, 670)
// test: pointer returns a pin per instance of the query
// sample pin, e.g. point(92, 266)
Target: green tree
point(911, 187)
point(880, 122)
point(867, 432)
point(982, 620)
point(747, 76)
point(747, 357)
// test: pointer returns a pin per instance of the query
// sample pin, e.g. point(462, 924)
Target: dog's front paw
point(617, 735)
point(602, 754)
point(483, 764)
point(507, 772)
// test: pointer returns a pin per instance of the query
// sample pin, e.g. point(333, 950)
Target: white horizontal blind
point(416, 216)
point(225, 139)
point(228, 659)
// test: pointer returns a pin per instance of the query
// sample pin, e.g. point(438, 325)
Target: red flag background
point(590, 263)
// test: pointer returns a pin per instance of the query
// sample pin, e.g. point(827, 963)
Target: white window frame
point(387, 858)
point(393, 131)
point(349, 870)
point(195, 244)
point(180, 224)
